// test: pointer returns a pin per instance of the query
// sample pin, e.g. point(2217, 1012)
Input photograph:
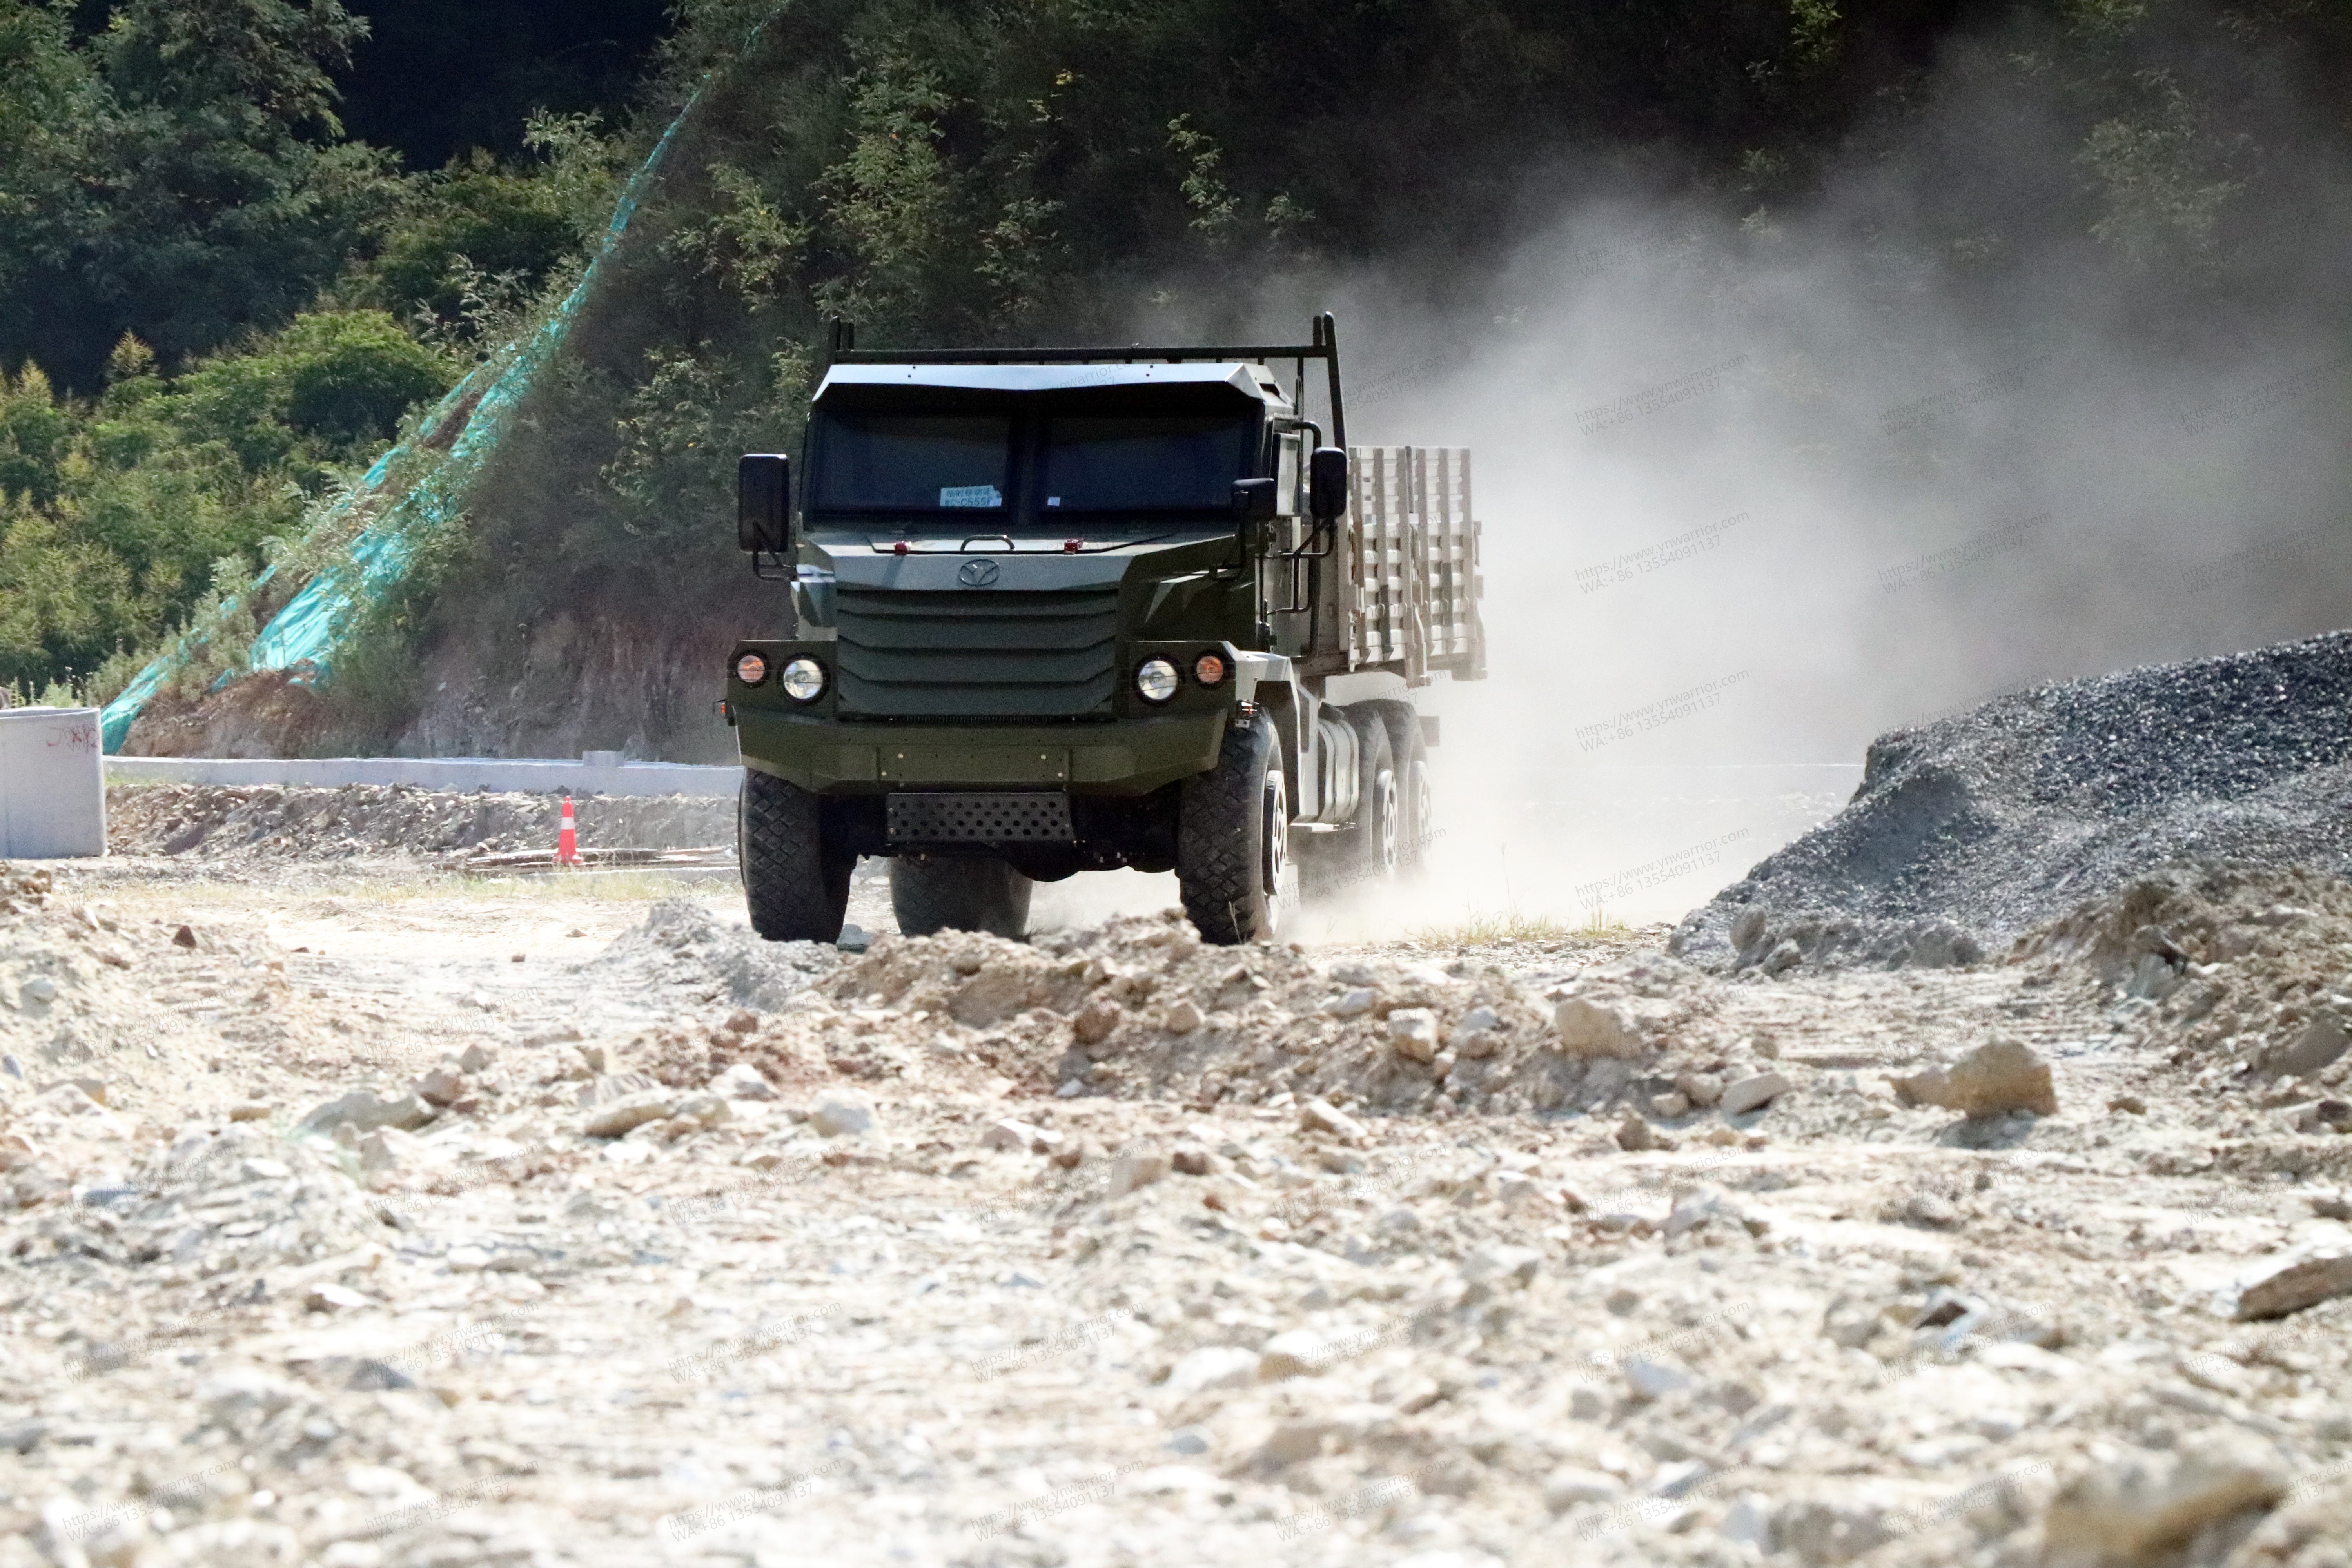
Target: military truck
point(1062, 610)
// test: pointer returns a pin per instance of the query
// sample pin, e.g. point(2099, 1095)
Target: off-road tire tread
point(1215, 866)
point(959, 893)
point(795, 890)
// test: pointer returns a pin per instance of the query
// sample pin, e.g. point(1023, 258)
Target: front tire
point(795, 877)
point(932, 893)
point(1233, 841)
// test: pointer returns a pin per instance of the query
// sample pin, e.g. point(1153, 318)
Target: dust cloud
point(1760, 486)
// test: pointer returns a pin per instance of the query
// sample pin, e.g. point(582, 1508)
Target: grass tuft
point(1487, 929)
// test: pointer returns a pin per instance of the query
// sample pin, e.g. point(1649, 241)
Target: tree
point(191, 181)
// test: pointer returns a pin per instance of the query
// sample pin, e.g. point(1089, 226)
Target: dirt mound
point(270, 821)
point(239, 1196)
point(1141, 1009)
point(681, 943)
point(2244, 971)
point(1967, 832)
point(80, 994)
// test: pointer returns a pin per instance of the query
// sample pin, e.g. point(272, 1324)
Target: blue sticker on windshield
point(969, 495)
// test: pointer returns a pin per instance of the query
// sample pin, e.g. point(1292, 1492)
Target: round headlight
point(750, 670)
point(803, 679)
point(1156, 681)
point(1209, 668)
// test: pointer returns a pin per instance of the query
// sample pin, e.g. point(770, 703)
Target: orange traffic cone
point(567, 838)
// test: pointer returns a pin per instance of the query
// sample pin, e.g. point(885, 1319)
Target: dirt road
point(357, 1215)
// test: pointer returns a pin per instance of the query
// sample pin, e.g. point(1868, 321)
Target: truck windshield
point(912, 462)
point(1145, 462)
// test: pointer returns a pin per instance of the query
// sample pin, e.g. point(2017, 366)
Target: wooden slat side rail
point(1409, 579)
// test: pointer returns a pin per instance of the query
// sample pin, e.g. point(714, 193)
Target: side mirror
point(1326, 483)
point(763, 498)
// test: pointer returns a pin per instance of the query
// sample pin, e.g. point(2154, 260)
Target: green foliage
point(1812, 32)
point(240, 303)
point(349, 376)
point(125, 514)
point(184, 182)
point(473, 223)
point(469, 249)
point(2161, 195)
point(233, 306)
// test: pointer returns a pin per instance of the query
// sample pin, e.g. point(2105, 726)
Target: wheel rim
point(1384, 818)
point(1425, 813)
point(1274, 832)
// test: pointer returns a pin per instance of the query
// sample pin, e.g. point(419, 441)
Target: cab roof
point(1250, 380)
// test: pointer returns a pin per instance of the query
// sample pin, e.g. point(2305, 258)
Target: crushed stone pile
point(1967, 832)
point(270, 821)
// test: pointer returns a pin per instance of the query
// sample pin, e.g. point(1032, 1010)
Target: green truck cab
point(1062, 610)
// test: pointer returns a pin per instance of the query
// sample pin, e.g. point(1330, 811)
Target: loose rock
point(841, 1117)
point(363, 1111)
point(1322, 1116)
point(2133, 1507)
point(1129, 1171)
point(1588, 1028)
point(1413, 1032)
point(2289, 1285)
point(1753, 1092)
point(743, 1081)
point(1997, 1077)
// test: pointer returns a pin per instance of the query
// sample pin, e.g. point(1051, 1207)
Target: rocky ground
point(250, 823)
point(356, 1214)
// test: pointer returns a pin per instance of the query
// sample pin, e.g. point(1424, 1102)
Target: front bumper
point(833, 756)
point(1136, 750)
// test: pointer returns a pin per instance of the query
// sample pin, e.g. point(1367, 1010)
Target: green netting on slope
point(453, 443)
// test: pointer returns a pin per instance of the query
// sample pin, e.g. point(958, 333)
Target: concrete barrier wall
point(596, 772)
point(52, 784)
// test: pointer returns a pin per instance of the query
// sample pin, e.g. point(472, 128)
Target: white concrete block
point(52, 783)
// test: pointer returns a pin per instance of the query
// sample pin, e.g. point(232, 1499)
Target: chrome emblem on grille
point(977, 574)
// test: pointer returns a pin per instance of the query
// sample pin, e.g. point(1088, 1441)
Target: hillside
point(941, 176)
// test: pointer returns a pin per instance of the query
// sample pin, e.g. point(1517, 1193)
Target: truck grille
point(965, 817)
point(940, 655)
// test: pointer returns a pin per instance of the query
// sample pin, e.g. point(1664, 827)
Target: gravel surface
point(663, 1245)
point(1967, 831)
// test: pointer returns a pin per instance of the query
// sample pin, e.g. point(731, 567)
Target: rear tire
point(959, 892)
point(1416, 817)
point(795, 877)
point(1233, 841)
point(1377, 840)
